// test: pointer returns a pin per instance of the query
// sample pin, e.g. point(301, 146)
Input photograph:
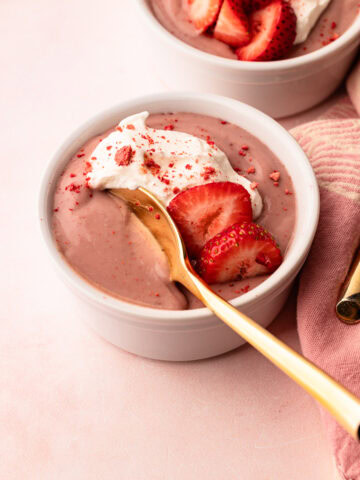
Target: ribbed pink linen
point(332, 144)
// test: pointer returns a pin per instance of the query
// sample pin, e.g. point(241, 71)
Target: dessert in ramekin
point(167, 331)
point(279, 88)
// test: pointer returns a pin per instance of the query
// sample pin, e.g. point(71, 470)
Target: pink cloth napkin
point(332, 144)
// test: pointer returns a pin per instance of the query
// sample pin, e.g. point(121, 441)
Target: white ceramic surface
point(190, 334)
point(280, 89)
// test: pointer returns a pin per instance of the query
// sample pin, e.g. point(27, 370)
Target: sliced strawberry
point(252, 5)
point(203, 13)
point(273, 31)
point(203, 211)
point(241, 251)
point(232, 26)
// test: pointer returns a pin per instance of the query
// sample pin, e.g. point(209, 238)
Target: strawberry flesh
point(232, 26)
point(203, 13)
point(205, 210)
point(273, 32)
point(240, 251)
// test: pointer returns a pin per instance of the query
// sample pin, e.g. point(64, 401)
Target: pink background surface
point(71, 405)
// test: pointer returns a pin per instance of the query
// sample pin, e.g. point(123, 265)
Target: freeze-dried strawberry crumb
point(245, 147)
point(119, 128)
point(251, 170)
point(276, 184)
point(130, 126)
point(169, 127)
point(151, 165)
point(287, 192)
point(188, 166)
point(73, 188)
point(123, 156)
point(149, 139)
point(176, 190)
point(171, 164)
point(254, 185)
point(333, 25)
point(72, 175)
point(165, 180)
point(241, 153)
point(56, 209)
point(209, 141)
point(157, 216)
point(109, 147)
point(237, 170)
point(208, 171)
point(223, 122)
point(79, 155)
point(275, 175)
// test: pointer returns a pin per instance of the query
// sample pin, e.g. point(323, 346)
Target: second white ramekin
point(280, 88)
point(186, 334)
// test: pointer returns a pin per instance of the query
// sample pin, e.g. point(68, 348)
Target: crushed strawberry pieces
point(73, 188)
point(151, 165)
point(208, 172)
point(123, 156)
point(275, 176)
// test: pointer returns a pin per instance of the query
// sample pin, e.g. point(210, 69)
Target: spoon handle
point(342, 404)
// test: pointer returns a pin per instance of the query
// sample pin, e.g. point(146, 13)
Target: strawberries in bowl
point(215, 221)
point(232, 26)
point(273, 31)
point(203, 211)
point(240, 251)
point(259, 30)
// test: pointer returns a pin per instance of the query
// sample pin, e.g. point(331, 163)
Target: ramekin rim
point(88, 290)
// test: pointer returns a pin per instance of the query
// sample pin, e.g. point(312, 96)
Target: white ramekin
point(280, 89)
point(189, 334)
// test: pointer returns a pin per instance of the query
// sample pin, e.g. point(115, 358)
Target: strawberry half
point(232, 26)
point(203, 13)
point(203, 211)
point(273, 31)
point(240, 251)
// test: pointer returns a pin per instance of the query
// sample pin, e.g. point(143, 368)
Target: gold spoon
point(342, 404)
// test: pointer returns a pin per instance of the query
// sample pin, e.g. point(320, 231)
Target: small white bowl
point(279, 88)
point(187, 334)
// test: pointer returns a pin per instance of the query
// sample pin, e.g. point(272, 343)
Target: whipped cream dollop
point(163, 161)
point(307, 13)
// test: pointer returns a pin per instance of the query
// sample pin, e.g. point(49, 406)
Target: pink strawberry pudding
point(223, 187)
point(256, 30)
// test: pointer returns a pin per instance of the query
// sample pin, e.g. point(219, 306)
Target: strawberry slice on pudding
point(205, 210)
point(232, 26)
point(240, 251)
point(203, 13)
point(273, 32)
